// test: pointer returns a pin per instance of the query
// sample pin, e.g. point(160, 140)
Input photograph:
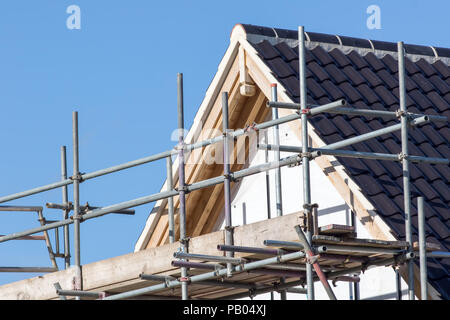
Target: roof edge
point(253, 32)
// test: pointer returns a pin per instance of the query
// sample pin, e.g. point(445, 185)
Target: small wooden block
point(336, 229)
point(429, 246)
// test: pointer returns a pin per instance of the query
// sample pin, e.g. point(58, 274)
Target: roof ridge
point(412, 49)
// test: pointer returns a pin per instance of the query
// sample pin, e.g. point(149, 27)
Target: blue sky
point(119, 72)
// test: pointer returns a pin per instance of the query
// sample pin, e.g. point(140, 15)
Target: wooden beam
point(122, 273)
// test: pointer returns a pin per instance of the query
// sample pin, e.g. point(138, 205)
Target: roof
point(365, 73)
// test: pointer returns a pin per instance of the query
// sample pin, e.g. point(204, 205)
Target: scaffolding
point(306, 261)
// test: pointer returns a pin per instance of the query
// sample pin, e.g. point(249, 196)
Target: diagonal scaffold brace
point(310, 258)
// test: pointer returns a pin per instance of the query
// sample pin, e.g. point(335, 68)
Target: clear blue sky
point(119, 73)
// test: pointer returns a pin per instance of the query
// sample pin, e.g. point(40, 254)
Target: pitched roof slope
point(365, 73)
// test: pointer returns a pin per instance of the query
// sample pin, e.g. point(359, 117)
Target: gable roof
point(365, 73)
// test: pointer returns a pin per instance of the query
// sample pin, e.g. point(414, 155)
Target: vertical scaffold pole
point(305, 150)
point(276, 142)
point(181, 182)
point(405, 164)
point(227, 181)
point(170, 200)
point(266, 159)
point(422, 250)
point(65, 202)
point(76, 204)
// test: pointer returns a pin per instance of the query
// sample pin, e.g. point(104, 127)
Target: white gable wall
point(250, 205)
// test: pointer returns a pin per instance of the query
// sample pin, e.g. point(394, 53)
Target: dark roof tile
point(436, 99)
point(355, 166)
point(322, 56)
point(286, 51)
point(368, 94)
point(357, 60)
point(374, 62)
point(340, 58)
point(439, 227)
point(324, 125)
point(442, 86)
point(351, 94)
point(389, 185)
point(385, 95)
point(280, 67)
point(423, 83)
point(388, 79)
point(410, 67)
point(314, 88)
point(391, 63)
point(318, 71)
point(336, 74)
point(371, 77)
point(266, 50)
point(426, 68)
point(334, 92)
point(420, 99)
point(443, 69)
point(442, 188)
point(433, 136)
point(354, 76)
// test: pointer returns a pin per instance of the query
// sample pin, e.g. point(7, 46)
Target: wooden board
point(121, 273)
point(337, 229)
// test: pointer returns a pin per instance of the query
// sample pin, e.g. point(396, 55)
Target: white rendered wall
point(249, 205)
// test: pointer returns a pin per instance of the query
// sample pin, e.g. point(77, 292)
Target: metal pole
point(405, 164)
point(209, 275)
point(181, 181)
point(170, 200)
point(29, 269)
point(266, 159)
point(310, 255)
point(65, 202)
point(305, 150)
point(422, 250)
point(227, 182)
point(276, 142)
point(76, 202)
point(148, 159)
point(47, 241)
point(292, 160)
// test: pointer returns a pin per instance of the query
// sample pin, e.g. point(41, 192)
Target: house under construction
point(316, 168)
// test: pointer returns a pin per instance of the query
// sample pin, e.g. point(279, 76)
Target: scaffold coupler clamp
point(306, 111)
point(78, 177)
point(251, 127)
point(402, 156)
point(185, 242)
point(312, 259)
point(230, 177)
point(185, 188)
point(297, 163)
point(184, 279)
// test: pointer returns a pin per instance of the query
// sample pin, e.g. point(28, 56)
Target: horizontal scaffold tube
point(28, 269)
point(368, 113)
point(292, 160)
point(313, 111)
point(357, 154)
point(208, 275)
point(148, 159)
